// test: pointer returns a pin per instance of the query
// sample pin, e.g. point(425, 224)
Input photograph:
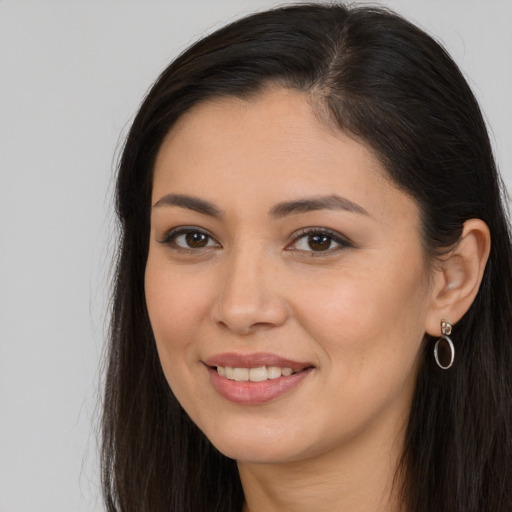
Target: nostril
point(247, 303)
point(244, 329)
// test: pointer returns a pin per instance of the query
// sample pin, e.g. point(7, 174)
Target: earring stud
point(444, 351)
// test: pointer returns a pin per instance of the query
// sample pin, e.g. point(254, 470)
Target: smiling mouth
point(258, 374)
point(256, 378)
point(254, 385)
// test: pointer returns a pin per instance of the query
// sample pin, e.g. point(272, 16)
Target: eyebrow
point(331, 202)
point(280, 210)
point(190, 203)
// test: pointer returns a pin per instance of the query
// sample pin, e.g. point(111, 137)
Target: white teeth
point(273, 372)
point(258, 374)
point(241, 374)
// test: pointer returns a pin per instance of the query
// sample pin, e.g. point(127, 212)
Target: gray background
point(72, 74)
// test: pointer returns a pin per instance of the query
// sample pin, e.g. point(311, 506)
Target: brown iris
point(319, 242)
point(196, 240)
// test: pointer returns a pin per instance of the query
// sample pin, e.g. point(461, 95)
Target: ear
point(457, 276)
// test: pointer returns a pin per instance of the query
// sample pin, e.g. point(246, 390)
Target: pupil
point(196, 240)
point(319, 242)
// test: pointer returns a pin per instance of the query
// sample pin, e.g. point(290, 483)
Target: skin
point(357, 311)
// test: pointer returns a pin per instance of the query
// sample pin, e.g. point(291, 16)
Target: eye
point(189, 238)
point(316, 240)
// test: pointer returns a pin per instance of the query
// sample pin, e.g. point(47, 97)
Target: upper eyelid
point(172, 233)
point(342, 243)
point(336, 236)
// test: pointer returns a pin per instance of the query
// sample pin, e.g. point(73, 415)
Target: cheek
point(369, 329)
point(175, 305)
point(370, 317)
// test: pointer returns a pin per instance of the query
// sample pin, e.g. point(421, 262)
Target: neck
point(355, 478)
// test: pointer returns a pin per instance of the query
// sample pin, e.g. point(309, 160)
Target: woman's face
point(278, 246)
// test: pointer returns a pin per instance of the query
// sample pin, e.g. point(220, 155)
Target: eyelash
point(332, 237)
point(171, 236)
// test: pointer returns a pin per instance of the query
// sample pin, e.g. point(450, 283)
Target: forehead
point(275, 142)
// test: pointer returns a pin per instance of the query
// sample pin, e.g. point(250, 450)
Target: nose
point(250, 297)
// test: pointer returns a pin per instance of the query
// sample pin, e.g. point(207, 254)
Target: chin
point(256, 453)
point(260, 444)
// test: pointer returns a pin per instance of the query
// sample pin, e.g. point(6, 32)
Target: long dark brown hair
point(381, 79)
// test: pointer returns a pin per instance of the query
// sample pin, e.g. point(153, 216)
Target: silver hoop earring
point(444, 349)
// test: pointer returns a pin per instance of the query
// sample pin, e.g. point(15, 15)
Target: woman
point(309, 313)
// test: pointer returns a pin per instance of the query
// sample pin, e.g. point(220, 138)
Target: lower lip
point(254, 393)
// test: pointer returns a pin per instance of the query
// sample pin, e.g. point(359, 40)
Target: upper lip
point(255, 360)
